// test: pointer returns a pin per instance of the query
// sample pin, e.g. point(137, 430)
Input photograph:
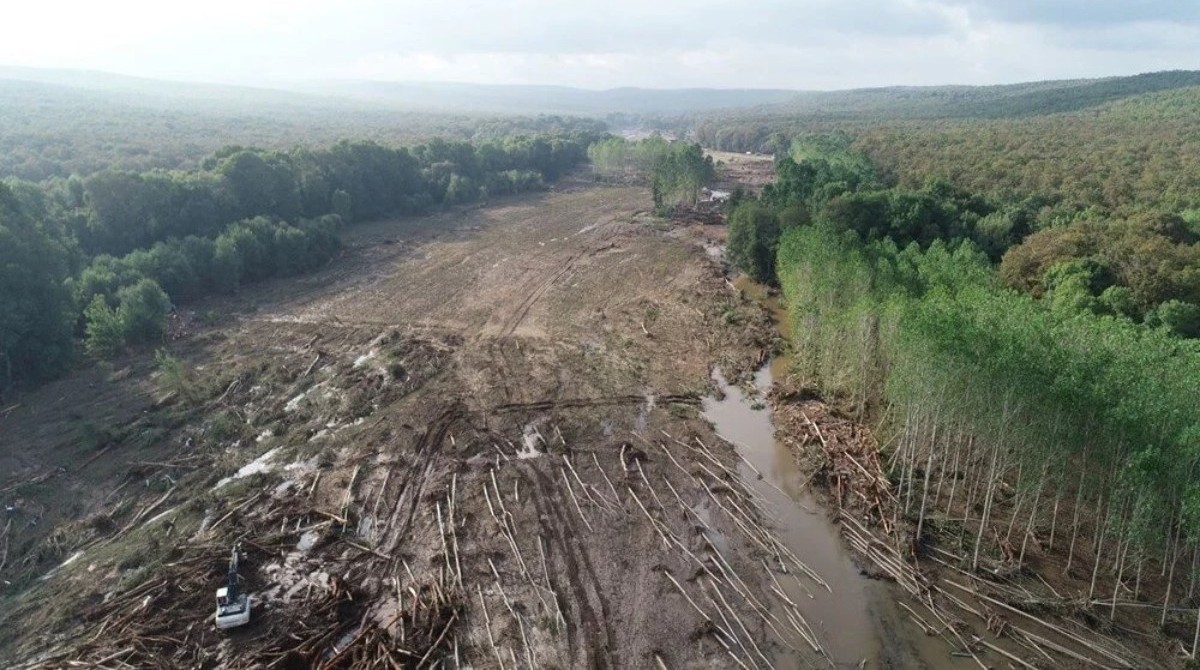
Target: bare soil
point(473, 436)
point(750, 172)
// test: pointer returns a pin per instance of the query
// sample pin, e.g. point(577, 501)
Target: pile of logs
point(972, 613)
point(166, 621)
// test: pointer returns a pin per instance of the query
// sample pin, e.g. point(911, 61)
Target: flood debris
point(980, 615)
point(490, 488)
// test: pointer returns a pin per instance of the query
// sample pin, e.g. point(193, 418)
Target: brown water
point(856, 619)
point(839, 615)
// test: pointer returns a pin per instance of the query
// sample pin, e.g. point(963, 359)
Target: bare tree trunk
point(973, 488)
point(1122, 535)
point(1029, 526)
point(987, 507)
point(1012, 520)
point(1137, 580)
point(1162, 621)
point(1192, 577)
point(925, 487)
point(1054, 516)
point(1112, 614)
point(1167, 546)
point(910, 466)
point(1196, 636)
point(1103, 531)
point(958, 448)
point(945, 460)
point(1075, 516)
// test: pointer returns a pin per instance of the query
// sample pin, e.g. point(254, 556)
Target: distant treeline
point(677, 171)
point(51, 130)
point(105, 256)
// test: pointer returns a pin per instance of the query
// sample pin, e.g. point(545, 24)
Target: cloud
point(604, 43)
point(1083, 13)
point(629, 26)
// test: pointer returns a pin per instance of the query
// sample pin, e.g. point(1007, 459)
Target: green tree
point(752, 241)
point(105, 334)
point(1177, 316)
point(37, 312)
point(143, 311)
point(342, 204)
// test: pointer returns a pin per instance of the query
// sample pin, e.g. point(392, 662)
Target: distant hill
point(1179, 103)
point(989, 102)
point(898, 102)
point(548, 99)
point(56, 122)
point(413, 96)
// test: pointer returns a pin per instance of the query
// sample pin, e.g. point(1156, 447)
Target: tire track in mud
point(591, 634)
point(511, 322)
point(412, 485)
point(496, 355)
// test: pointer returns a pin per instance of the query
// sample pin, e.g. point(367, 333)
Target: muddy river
point(856, 618)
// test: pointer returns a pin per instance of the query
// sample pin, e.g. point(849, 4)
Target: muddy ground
point(750, 172)
point(478, 439)
point(473, 439)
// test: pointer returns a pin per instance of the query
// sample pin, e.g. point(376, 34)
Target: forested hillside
point(1007, 351)
point(919, 110)
point(1098, 209)
point(103, 257)
point(1139, 153)
point(985, 102)
point(77, 124)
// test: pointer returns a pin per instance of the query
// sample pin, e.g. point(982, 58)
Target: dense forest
point(103, 257)
point(769, 128)
point(1139, 263)
point(1134, 154)
point(999, 347)
point(1097, 210)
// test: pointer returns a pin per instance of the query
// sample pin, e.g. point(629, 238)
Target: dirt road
point(473, 438)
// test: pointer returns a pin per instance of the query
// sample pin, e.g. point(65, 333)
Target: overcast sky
point(804, 44)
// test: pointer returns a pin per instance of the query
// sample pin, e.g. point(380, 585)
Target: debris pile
point(974, 613)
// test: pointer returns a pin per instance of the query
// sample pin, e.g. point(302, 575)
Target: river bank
point(926, 609)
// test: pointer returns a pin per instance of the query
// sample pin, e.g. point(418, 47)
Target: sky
point(797, 44)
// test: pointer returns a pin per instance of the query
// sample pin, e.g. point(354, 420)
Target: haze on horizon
point(797, 44)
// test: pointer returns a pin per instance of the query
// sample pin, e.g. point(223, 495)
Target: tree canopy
point(103, 257)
